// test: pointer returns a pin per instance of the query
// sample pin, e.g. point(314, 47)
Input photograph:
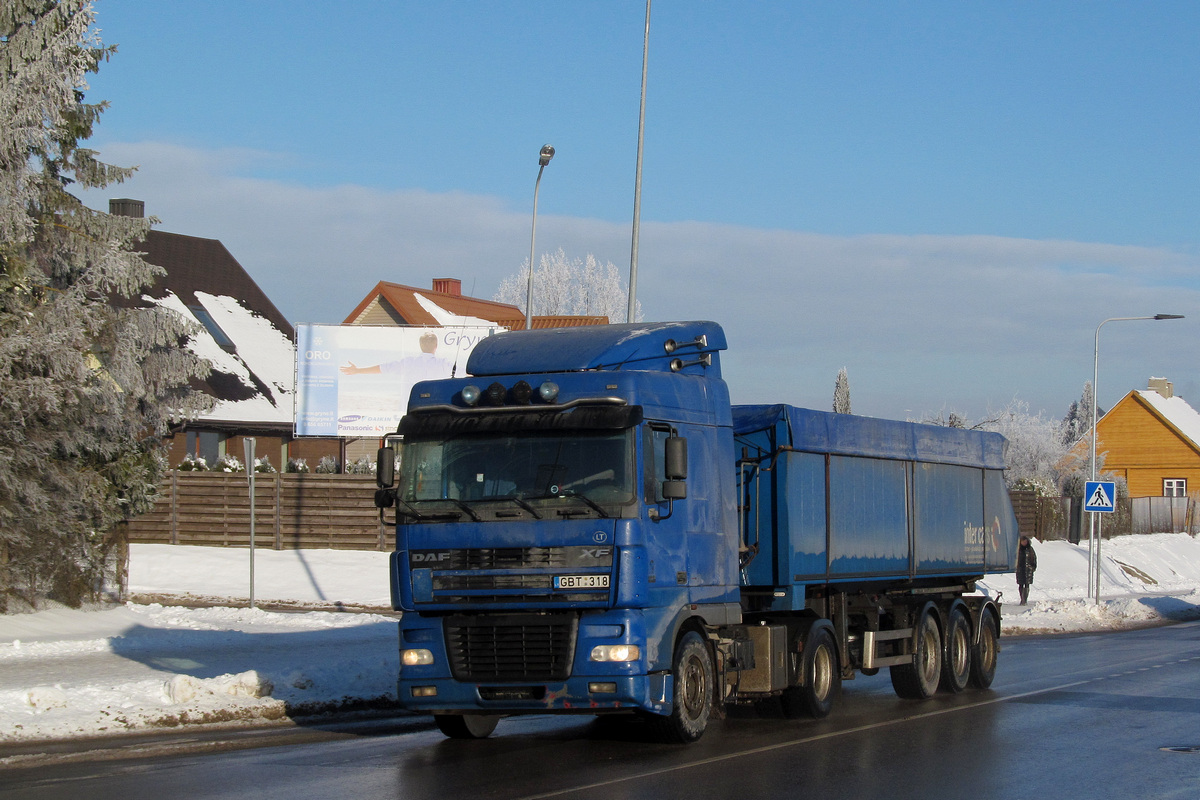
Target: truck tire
point(466, 726)
point(694, 679)
point(822, 680)
point(919, 680)
point(956, 661)
point(986, 652)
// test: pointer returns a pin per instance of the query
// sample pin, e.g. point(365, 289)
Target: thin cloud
point(922, 322)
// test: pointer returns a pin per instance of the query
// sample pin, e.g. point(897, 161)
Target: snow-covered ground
point(67, 673)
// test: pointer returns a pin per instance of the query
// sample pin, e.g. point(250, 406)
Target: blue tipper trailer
point(585, 524)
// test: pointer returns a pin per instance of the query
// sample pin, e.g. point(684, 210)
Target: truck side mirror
point(674, 490)
point(675, 461)
point(385, 468)
point(674, 485)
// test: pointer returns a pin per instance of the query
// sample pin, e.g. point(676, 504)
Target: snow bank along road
point(142, 666)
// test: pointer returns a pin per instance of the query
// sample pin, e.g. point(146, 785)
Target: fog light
point(616, 652)
point(424, 691)
point(470, 395)
point(602, 688)
point(415, 658)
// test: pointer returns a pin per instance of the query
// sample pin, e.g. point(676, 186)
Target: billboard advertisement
point(354, 380)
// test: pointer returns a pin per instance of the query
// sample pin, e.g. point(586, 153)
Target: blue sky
point(946, 198)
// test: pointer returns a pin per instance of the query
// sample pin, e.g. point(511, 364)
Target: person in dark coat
point(1026, 564)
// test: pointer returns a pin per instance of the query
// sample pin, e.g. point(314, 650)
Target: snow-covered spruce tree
point(570, 286)
point(1078, 421)
point(89, 381)
point(841, 393)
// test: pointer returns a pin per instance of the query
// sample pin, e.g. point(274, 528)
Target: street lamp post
point(1093, 523)
point(637, 181)
point(544, 157)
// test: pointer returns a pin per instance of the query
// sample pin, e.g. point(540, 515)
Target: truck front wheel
point(466, 726)
point(919, 680)
point(694, 677)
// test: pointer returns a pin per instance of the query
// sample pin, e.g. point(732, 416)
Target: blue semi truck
point(585, 524)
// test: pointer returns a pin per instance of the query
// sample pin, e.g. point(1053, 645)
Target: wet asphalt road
point(1092, 716)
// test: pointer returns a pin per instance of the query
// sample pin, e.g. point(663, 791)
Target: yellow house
point(1152, 439)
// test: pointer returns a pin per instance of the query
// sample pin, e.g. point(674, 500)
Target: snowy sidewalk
point(66, 673)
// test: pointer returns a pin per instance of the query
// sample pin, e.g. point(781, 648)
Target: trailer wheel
point(919, 680)
point(466, 726)
point(822, 680)
point(986, 652)
point(956, 661)
point(694, 679)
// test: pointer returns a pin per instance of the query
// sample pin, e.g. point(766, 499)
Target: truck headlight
point(415, 658)
point(616, 652)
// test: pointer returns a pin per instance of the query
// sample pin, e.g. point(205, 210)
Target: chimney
point(450, 286)
point(124, 207)
point(1162, 386)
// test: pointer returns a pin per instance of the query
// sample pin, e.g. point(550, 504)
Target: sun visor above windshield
point(441, 421)
point(688, 347)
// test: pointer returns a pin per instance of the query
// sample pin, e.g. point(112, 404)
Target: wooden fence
point(1048, 518)
point(291, 511)
point(308, 510)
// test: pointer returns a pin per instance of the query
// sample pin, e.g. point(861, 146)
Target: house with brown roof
point(396, 304)
point(249, 343)
point(1151, 438)
point(444, 305)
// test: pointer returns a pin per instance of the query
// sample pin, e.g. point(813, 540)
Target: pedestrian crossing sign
point(1100, 496)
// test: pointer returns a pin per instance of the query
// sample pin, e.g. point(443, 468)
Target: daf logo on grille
point(599, 537)
point(433, 556)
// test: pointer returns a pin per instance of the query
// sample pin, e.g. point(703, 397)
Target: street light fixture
point(1093, 531)
point(547, 153)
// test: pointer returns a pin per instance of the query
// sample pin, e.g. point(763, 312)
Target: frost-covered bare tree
point(89, 379)
point(563, 285)
point(1036, 450)
point(1035, 447)
point(841, 393)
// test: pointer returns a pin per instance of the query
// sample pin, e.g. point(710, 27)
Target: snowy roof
point(254, 382)
point(243, 334)
point(1175, 411)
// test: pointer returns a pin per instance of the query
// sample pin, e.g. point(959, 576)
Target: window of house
point(205, 444)
point(1174, 487)
point(222, 339)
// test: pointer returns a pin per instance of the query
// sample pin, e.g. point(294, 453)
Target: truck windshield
point(528, 469)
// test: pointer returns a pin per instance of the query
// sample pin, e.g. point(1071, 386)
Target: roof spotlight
point(548, 391)
point(521, 392)
point(496, 393)
point(470, 395)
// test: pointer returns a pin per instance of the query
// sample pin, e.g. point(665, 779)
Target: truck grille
point(511, 647)
point(512, 558)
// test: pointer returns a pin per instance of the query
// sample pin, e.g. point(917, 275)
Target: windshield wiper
point(411, 512)
point(435, 515)
point(470, 511)
point(566, 512)
point(519, 501)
